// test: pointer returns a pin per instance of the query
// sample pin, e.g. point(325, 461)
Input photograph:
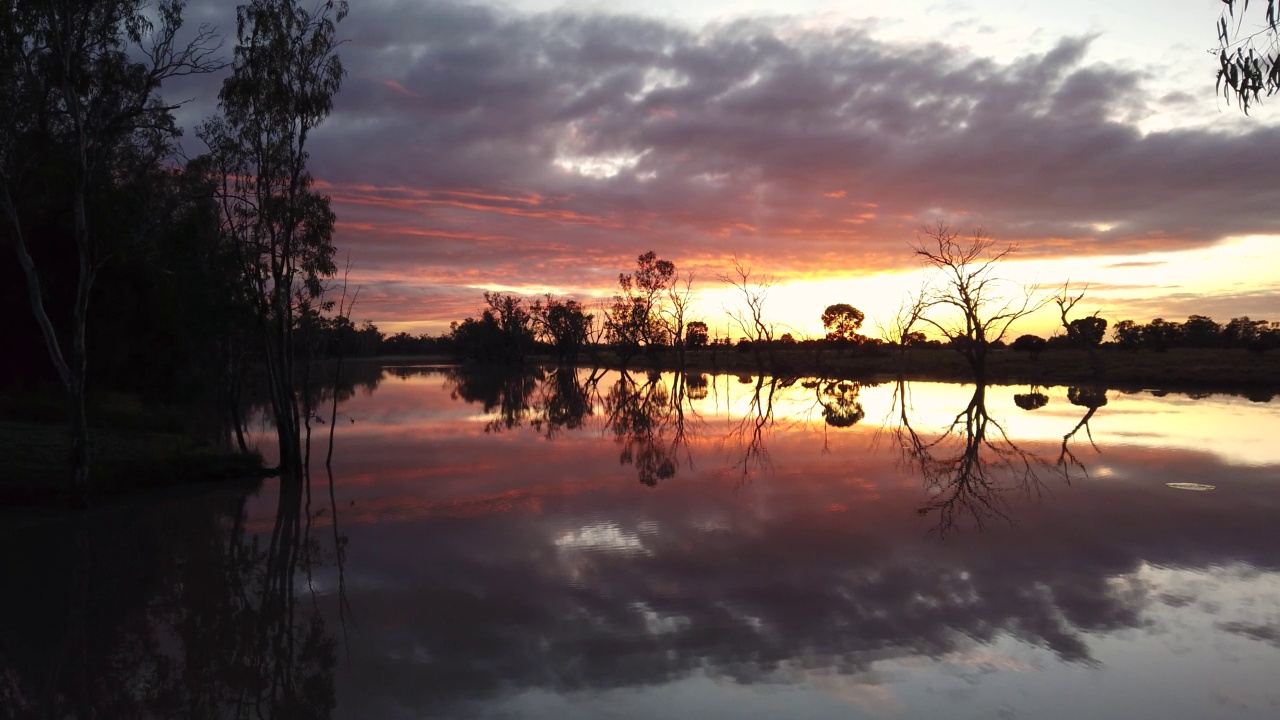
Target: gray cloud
point(565, 143)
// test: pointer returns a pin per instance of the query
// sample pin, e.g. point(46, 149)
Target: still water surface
point(557, 545)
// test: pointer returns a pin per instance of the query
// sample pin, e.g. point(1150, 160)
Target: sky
point(540, 146)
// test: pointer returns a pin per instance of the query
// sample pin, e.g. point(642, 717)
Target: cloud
point(552, 148)
point(1137, 264)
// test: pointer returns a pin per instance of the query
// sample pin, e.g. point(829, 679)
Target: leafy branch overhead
point(1248, 53)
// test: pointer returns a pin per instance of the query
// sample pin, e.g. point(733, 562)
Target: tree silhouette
point(970, 467)
point(966, 303)
point(750, 317)
point(1033, 345)
point(842, 321)
point(283, 79)
point(696, 334)
point(1031, 400)
point(633, 320)
point(565, 324)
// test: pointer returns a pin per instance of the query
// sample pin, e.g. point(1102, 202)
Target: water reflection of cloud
point(603, 537)
point(547, 568)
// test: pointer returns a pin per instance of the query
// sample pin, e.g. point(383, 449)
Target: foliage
point(633, 320)
point(1031, 401)
point(1248, 64)
point(565, 325)
point(80, 84)
point(696, 335)
point(1030, 344)
point(842, 321)
point(1089, 330)
point(284, 76)
point(1199, 331)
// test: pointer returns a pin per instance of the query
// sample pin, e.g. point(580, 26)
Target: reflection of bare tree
point(750, 431)
point(649, 422)
point(970, 467)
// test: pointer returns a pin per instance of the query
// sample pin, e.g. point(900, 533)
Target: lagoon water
point(561, 545)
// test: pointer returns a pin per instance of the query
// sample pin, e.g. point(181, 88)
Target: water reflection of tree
point(174, 610)
point(550, 401)
point(1090, 398)
point(841, 406)
point(652, 423)
point(506, 392)
point(751, 432)
point(1032, 399)
point(563, 401)
point(970, 467)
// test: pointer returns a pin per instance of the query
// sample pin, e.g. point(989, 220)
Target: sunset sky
point(540, 146)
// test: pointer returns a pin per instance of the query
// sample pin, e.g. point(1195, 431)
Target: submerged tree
point(284, 76)
point(968, 304)
point(80, 87)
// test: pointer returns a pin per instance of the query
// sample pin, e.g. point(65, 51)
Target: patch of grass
point(121, 459)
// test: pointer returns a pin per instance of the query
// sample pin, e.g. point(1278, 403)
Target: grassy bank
point(132, 448)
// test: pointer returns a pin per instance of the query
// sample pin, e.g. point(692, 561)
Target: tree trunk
point(72, 374)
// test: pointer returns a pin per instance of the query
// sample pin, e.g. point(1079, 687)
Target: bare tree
point(84, 77)
point(750, 317)
point(676, 313)
point(900, 330)
point(967, 303)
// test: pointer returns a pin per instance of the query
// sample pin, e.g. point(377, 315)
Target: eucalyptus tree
point(565, 325)
point(285, 73)
point(634, 317)
point(82, 114)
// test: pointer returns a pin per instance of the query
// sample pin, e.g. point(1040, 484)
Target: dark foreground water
point(562, 546)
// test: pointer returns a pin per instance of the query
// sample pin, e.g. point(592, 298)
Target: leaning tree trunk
point(70, 372)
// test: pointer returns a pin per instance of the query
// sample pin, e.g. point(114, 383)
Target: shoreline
point(1190, 371)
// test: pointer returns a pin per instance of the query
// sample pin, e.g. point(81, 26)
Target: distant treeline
point(512, 329)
